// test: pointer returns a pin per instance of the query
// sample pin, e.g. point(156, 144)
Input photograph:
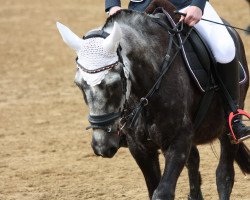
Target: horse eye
point(115, 85)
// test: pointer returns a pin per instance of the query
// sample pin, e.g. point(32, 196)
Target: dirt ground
point(45, 152)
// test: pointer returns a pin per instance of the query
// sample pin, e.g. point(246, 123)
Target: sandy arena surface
point(45, 152)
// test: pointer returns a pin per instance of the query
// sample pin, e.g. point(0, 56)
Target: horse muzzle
point(105, 144)
point(107, 137)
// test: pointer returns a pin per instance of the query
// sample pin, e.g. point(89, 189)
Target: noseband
point(105, 120)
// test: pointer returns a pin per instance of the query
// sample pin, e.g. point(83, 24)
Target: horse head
point(112, 63)
point(102, 79)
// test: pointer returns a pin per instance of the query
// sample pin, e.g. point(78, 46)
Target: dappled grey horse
point(118, 70)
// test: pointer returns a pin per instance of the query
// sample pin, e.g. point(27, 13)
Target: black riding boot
point(229, 74)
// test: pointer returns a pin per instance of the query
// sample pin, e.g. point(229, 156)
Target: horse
point(117, 67)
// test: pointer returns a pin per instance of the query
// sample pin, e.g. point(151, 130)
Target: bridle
point(104, 121)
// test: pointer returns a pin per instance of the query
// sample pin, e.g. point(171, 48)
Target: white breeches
point(217, 36)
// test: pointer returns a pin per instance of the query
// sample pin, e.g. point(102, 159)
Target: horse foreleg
point(176, 156)
point(147, 158)
point(192, 165)
point(225, 170)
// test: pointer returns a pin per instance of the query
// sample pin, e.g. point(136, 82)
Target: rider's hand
point(193, 15)
point(114, 9)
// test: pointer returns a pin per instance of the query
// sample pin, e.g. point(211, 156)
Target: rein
point(214, 22)
point(164, 66)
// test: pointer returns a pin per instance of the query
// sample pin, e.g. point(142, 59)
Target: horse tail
point(243, 158)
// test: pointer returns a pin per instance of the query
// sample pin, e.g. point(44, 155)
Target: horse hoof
point(199, 197)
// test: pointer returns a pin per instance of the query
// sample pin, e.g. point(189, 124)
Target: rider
point(218, 39)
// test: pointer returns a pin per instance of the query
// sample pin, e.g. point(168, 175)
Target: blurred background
point(45, 152)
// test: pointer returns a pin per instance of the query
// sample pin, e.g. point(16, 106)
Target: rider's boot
point(229, 74)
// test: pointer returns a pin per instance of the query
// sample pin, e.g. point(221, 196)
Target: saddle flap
point(198, 59)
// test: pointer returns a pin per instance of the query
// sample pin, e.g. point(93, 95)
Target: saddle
point(199, 59)
point(196, 53)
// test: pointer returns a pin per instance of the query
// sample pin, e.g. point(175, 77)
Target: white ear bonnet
point(93, 56)
point(93, 52)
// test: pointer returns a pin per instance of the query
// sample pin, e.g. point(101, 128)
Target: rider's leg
point(223, 48)
point(229, 74)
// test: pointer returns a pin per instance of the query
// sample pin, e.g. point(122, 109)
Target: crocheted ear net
point(92, 56)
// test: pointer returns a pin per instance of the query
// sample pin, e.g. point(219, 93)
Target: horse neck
point(143, 48)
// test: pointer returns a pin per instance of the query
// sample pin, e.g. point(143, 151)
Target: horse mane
point(126, 16)
point(166, 5)
point(122, 15)
point(142, 31)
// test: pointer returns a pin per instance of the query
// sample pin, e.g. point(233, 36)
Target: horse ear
point(112, 41)
point(70, 38)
